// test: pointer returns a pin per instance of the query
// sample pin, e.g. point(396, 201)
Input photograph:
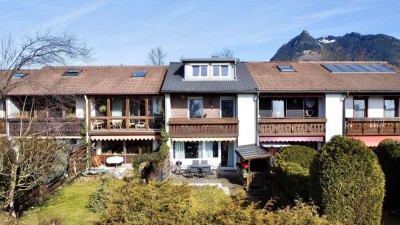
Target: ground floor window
point(138, 147)
point(227, 154)
point(112, 147)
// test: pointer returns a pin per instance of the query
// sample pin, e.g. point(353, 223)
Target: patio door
point(227, 154)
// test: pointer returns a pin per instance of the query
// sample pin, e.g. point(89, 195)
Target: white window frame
point(227, 98)
point(229, 76)
point(188, 104)
point(200, 65)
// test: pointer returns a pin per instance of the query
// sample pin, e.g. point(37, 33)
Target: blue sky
point(123, 31)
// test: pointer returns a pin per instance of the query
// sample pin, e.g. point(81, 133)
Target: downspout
point(89, 147)
point(257, 117)
point(344, 113)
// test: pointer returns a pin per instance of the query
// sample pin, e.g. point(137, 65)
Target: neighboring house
point(124, 117)
point(210, 108)
point(309, 102)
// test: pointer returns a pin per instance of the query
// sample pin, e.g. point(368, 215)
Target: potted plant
point(102, 108)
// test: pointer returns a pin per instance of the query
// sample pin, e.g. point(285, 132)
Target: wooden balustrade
point(373, 126)
point(46, 127)
point(2, 126)
point(291, 127)
point(203, 127)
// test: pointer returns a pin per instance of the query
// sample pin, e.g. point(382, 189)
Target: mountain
point(350, 47)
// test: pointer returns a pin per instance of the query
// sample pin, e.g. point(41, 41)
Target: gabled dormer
point(210, 69)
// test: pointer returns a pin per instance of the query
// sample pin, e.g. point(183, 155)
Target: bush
point(388, 152)
point(301, 155)
point(347, 182)
point(292, 171)
point(100, 198)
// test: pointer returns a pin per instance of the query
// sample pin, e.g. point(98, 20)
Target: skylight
point(286, 68)
point(72, 72)
point(357, 68)
point(19, 75)
point(139, 73)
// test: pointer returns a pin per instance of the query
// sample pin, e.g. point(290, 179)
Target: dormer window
point(220, 70)
point(199, 70)
point(18, 75)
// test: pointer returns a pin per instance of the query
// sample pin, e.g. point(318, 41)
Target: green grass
point(208, 199)
point(68, 205)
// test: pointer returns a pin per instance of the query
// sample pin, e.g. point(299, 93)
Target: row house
point(210, 108)
point(117, 109)
point(309, 102)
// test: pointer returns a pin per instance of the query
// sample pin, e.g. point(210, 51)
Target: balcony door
point(227, 107)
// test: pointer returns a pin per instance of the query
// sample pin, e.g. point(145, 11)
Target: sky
point(124, 31)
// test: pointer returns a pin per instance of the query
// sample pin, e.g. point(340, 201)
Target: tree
point(26, 160)
point(225, 53)
point(40, 49)
point(157, 56)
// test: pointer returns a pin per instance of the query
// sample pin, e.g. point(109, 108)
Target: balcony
point(2, 126)
point(203, 127)
point(373, 126)
point(291, 126)
point(46, 127)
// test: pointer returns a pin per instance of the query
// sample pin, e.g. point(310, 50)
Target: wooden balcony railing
point(203, 127)
point(291, 127)
point(373, 126)
point(46, 127)
point(2, 126)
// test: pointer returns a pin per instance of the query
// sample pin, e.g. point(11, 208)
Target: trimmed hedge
point(347, 182)
point(292, 171)
point(388, 152)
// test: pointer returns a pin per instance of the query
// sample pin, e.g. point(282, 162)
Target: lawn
point(68, 205)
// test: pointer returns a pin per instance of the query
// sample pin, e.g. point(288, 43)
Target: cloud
point(74, 15)
point(11, 14)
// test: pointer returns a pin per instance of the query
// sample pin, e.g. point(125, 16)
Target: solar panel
point(19, 75)
point(286, 68)
point(139, 73)
point(357, 68)
point(383, 68)
point(72, 72)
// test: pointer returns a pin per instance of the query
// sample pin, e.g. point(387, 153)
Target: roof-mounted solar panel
point(357, 68)
point(72, 72)
point(19, 75)
point(286, 68)
point(139, 73)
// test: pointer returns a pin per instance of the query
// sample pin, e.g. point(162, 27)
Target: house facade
point(210, 106)
point(309, 102)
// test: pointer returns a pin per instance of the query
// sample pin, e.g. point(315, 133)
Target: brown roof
point(313, 77)
point(96, 80)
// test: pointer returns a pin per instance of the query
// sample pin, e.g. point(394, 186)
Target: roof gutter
point(344, 112)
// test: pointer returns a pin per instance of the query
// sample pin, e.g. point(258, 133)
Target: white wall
point(334, 115)
point(1, 111)
point(375, 106)
point(167, 112)
point(246, 113)
point(349, 107)
point(80, 107)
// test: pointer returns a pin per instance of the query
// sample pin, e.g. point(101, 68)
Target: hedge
point(388, 152)
point(347, 182)
point(292, 171)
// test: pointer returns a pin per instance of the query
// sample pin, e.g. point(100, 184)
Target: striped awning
point(203, 139)
point(373, 141)
point(248, 152)
point(292, 139)
point(124, 138)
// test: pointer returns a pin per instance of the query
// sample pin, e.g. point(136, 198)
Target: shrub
point(347, 182)
point(301, 155)
point(100, 198)
point(292, 171)
point(388, 152)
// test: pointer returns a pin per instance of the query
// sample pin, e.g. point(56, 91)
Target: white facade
point(80, 107)
point(246, 113)
point(334, 115)
point(210, 71)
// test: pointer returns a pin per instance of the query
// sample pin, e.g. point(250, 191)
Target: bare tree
point(26, 160)
point(156, 56)
point(40, 49)
point(225, 53)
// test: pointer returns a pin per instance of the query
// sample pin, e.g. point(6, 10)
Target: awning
point(292, 139)
point(203, 139)
point(124, 138)
point(373, 141)
point(248, 152)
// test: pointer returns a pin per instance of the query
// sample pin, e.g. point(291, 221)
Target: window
point(19, 75)
point(220, 70)
point(286, 68)
point(360, 68)
point(216, 71)
point(193, 150)
point(288, 107)
point(278, 108)
point(224, 71)
point(294, 107)
point(139, 73)
point(203, 71)
point(72, 72)
point(196, 71)
point(195, 108)
point(360, 107)
point(227, 108)
point(390, 107)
